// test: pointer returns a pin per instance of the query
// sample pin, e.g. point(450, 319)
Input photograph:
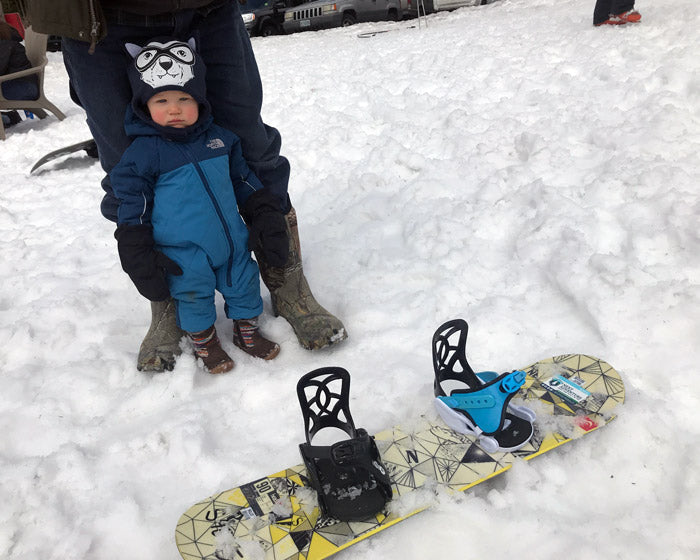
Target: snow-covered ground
point(509, 164)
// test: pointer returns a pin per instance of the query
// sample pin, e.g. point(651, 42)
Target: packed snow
point(508, 164)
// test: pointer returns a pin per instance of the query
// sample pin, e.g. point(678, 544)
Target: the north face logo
point(215, 143)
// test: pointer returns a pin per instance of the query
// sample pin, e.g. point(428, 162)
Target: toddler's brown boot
point(246, 335)
point(208, 347)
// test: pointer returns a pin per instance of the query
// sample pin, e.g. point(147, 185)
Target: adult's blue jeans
point(100, 85)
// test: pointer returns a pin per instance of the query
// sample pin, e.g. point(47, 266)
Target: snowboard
point(88, 145)
point(276, 517)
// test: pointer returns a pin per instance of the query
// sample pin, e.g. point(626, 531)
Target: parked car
point(411, 8)
point(439, 5)
point(265, 17)
point(323, 14)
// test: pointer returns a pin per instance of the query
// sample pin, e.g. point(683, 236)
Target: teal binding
point(486, 405)
point(477, 404)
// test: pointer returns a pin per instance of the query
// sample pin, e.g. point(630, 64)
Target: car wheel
point(348, 20)
point(393, 15)
point(267, 30)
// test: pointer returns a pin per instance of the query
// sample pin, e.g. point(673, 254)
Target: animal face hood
point(166, 64)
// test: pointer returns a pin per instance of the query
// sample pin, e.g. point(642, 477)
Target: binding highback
point(449, 355)
point(324, 395)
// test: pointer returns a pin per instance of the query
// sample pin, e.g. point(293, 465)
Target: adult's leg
point(99, 81)
point(601, 11)
point(161, 345)
point(621, 6)
point(235, 92)
point(292, 298)
point(10, 118)
point(604, 8)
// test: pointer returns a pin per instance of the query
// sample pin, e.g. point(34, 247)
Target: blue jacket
point(188, 188)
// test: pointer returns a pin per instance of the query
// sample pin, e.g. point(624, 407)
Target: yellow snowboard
point(277, 517)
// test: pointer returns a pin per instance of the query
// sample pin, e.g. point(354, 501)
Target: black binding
point(349, 477)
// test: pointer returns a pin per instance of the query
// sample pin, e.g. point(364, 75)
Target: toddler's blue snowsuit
point(189, 190)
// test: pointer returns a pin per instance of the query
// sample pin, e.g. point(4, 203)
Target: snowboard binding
point(349, 477)
point(477, 403)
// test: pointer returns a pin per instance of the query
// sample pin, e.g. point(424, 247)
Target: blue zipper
point(219, 212)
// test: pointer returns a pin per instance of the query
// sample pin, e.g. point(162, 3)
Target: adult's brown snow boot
point(291, 296)
point(161, 345)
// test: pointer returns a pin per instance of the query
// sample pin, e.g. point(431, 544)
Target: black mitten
point(268, 228)
point(145, 266)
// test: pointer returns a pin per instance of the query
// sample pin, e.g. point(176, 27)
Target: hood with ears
point(167, 64)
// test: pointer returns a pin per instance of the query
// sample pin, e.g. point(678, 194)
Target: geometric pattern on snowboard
point(276, 517)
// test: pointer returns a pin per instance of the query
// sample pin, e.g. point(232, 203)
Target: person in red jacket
point(615, 12)
point(13, 58)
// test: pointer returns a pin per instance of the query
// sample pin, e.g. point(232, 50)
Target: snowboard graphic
point(87, 145)
point(277, 518)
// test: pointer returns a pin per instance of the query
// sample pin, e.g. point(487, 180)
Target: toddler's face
point(173, 108)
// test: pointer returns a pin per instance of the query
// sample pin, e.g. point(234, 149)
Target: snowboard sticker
point(569, 390)
point(277, 517)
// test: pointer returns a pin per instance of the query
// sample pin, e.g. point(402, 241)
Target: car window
point(252, 5)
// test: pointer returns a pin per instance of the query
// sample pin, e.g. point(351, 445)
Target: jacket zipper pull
point(94, 30)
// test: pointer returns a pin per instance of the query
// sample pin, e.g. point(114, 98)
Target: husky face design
point(168, 64)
